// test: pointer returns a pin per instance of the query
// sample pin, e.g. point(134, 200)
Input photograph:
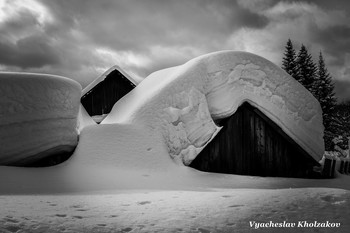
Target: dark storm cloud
point(33, 51)
point(240, 17)
point(23, 21)
point(82, 38)
point(335, 41)
point(142, 26)
point(138, 24)
point(333, 4)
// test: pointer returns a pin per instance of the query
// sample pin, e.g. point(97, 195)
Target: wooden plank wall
point(251, 144)
point(101, 99)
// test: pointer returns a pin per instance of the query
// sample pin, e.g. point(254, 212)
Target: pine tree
point(307, 70)
point(325, 92)
point(289, 60)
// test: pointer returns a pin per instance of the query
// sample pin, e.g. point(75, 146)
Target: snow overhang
point(226, 79)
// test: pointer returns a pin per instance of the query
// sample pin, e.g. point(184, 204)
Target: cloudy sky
point(81, 39)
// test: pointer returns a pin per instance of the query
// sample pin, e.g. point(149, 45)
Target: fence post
point(346, 165)
point(327, 168)
point(341, 168)
point(334, 161)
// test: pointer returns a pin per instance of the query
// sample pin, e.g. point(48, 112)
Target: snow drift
point(182, 102)
point(38, 116)
point(84, 119)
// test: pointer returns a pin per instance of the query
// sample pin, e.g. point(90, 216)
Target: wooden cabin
point(100, 96)
point(251, 144)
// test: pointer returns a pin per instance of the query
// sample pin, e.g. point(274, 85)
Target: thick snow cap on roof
point(127, 74)
point(38, 116)
point(182, 101)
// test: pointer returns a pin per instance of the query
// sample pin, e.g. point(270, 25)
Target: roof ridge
point(105, 74)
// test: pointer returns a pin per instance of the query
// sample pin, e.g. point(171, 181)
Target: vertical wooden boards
point(251, 144)
point(101, 98)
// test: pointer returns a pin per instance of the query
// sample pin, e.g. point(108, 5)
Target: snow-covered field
point(214, 210)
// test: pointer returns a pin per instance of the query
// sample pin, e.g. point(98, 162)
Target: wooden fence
point(330, 165)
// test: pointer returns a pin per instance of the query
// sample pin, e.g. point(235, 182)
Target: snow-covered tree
point(339, 126)
point(318, 81)
point(307, 70)
point(289, 63)
point(325, 91)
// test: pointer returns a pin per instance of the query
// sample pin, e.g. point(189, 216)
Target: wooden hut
point(99, 97)
point(252, 144)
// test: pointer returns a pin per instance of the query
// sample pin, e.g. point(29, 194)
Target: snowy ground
point(176, 211)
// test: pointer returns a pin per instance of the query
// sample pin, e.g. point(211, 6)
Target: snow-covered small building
point(99, 96)
point(38, 118)
point(243, 112)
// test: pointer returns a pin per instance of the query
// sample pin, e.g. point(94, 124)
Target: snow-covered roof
point(131, 78)
point(177, 100)
point(38, 116)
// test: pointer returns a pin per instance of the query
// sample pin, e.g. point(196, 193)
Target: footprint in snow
point(230, 224)
point(82, 210)
point(203, 230)
point(292, 207)
point(233, 206)
point(327, 198)
point(143, 202)
point(12, 228)
point(333, 199)
point(10, 219)
point(61, 215)
point(127, 229)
